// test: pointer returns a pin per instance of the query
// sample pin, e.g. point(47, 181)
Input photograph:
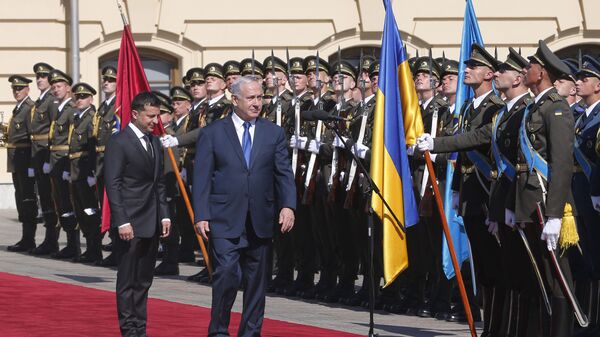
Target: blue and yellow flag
point(398, 123)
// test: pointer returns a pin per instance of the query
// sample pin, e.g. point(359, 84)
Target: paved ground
point(178, 290)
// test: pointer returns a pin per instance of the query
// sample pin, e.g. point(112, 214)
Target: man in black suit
point(245, 180)
point(136, 192)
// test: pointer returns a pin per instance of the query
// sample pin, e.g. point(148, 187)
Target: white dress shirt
point(238, 123)
point(512, 102)
point(478, 100)
point(215, 100)
point(539, 96)
point(62, 105)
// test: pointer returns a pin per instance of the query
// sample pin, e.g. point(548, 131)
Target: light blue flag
point(470, 35)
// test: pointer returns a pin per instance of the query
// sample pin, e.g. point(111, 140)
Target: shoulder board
point(440, 101)
point(496, 100)
point(306, 98)
point(287, 95)
point(528, 100)
point(554, 97)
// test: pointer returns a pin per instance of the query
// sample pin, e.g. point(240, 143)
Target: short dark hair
point(143, 99)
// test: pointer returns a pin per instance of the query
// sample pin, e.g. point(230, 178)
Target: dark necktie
point(149, 148)
point(247, 142)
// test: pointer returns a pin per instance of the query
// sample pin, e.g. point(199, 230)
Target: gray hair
point(236, 87)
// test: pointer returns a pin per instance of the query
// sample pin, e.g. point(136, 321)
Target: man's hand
point(30, 172)
point(298, 142)
point(425, 143)
point(169, 141)
point(596, 203)
point(66, 176)
point(91, 181)
point(551, 232)
point(337, 142)
point(46, 168)
point(492, 226)
point(314, 146)
point(166, 228)
point(360, 150)
point(202, 229)
point(509, 218)
point(126, 232)
point(286, 219)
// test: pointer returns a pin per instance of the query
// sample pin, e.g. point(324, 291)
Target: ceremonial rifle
point(276, 84)
point(334, 180)
point(296, 116)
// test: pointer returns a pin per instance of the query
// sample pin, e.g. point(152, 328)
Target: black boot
point(27, 241)
point(50, 243)
point(72, 249)
point(93, 253)
point(562, 318)
point(109, 261)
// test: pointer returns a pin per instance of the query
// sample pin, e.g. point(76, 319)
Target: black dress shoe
point(424, 312)
point(109, 261)
point(88, 257)
point(46, 248)
point(66, 253)
point(198, 276)
point(21, 247)
point(166, 269)
point(108, 247)
point(442, 315)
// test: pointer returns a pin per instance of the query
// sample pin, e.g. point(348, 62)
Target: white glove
point(313, 146)
point(66, 176)
point(298, 142)
point(169, 141)
point(433, 156)
point(596, 203)
point(455, 199)
point(425, 143)
point(411, 150)
point(91, 181)
point(509, 218)
point(30, 172)
point(551, 232)
point(337, 142)
point(492, 226)
point(360, 150)
point(183, 174)
point(46, 168)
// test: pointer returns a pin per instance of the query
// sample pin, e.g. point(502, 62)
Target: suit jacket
point(135, 183)
point(226, 191)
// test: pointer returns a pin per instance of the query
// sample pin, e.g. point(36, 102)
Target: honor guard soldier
point(181, 102)
point(541, 199)
point(19, 163)
point(586, 266)
point(105, 125)
point(276, 80)
point(82, 158)
point(291, 247)
point(334, 168)
point(566, 87)
point(473, 176)
point(232, 70)
point(59, 162)
point(424, 240)
point(316, 234)
point(41, 117)
point(185, 81)
point(510, 82)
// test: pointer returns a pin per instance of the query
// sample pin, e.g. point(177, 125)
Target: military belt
point(521, 168)
point(100, 148)
point(467, 169)
point(79, 154)
point(18, 146)
point(40, 137)
point(59, 147)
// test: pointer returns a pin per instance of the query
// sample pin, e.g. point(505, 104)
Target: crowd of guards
point(525, 180)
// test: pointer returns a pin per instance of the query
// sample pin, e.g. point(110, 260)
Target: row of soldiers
point(494, 184)
point(55, 154)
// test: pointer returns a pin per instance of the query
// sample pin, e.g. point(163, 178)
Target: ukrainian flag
point(398, 123)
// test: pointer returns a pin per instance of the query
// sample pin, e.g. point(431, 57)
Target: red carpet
point(31, 307)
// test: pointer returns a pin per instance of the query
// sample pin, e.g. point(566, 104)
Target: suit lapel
point(233, 138)
point(257, 141)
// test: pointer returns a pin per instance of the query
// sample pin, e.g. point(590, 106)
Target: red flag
point(131, 80)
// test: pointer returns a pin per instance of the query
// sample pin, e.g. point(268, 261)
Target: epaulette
point(287, 95)
point(496, 100)
point(555, 97)
point(440, 101)
point(528, 100)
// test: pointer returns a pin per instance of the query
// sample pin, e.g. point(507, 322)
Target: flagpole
point(180, 182)
point(440, 206)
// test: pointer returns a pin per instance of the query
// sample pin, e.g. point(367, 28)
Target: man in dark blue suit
point(133, 171)
point(243, 177)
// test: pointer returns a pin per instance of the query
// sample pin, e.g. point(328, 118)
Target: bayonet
point(252, 61)
point(276, 84)
point(296, 111)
